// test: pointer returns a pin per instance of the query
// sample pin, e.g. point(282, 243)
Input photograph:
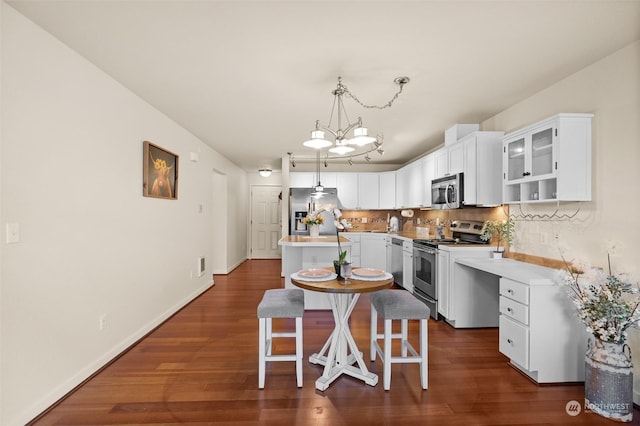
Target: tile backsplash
point(376, 220)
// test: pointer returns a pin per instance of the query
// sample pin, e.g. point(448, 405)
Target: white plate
point(368, 272)
point(314, 273)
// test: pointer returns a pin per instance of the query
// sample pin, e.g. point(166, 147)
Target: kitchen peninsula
point(301, 252)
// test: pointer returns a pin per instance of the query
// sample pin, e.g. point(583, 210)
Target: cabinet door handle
point(526, 174)
point(509, 341)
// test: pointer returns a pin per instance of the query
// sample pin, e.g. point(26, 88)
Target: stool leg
point(299, 351)
point(269, 338)
point(261, 351)
point(405, 335)
point(387, 354)
point(374, 332)
point(424, 353)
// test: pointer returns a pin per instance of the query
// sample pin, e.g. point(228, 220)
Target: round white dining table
point(340, 352)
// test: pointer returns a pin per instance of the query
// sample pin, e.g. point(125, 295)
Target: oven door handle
point(425, 250)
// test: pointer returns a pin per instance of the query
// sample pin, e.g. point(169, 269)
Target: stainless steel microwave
point(447, 192)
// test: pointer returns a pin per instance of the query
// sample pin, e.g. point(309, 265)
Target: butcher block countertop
point(306, 241)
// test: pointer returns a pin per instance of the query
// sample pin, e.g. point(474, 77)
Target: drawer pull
point(510, 291)
point(510, 310)
point(509, 341)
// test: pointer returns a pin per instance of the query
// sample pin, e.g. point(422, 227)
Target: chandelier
point(343, 144)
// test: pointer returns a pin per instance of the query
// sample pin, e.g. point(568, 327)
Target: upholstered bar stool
point(279, 303)
point(399, 305)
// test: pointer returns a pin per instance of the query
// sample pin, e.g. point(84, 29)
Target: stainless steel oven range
point(425, 260)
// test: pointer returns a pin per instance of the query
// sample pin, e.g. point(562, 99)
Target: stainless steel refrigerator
point(303, 201)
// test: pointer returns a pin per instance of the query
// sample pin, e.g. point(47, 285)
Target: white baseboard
point(64, 388)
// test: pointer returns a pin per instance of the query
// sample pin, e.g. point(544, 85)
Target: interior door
point(265, 222)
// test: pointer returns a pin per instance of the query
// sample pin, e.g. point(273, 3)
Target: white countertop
point(527, 273)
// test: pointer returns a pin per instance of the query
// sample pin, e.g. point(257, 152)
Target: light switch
point(13, 233)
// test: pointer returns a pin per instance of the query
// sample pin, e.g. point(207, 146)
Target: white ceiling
point(251, 78)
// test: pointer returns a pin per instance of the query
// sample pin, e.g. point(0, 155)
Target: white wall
point(90, 243)
point(610, 89)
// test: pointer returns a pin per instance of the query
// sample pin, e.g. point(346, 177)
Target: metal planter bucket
point(609, 380)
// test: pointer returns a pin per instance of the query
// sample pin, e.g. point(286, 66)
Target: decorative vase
point(608, 384)
point(336, 266)
point(314, 231)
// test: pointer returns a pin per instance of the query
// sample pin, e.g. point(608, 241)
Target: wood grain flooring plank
point(201, 368)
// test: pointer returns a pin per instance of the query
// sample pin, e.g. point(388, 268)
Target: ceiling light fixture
point(319, 189)
point(265, 171)
point(341, 144)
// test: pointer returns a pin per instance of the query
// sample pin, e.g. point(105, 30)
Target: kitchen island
point(302, 252)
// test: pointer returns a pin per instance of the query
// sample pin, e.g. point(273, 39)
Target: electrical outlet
point(102, 322)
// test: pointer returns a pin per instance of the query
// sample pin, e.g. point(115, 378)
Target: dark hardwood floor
point(200, 368)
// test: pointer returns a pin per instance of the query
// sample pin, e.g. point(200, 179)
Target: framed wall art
point(160, 176)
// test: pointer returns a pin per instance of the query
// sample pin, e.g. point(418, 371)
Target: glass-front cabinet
point(549, 161)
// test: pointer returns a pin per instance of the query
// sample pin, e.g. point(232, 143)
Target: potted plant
point(607, 304)
point(341, 262)
point(313, 220)
point(503, 230)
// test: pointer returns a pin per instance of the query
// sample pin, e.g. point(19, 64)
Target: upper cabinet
point(347, 186)
point(429, 174)
point(449, 160)
point(410, 185)
point(302, 180)
point(387, 190)
point(310, 179)
point(482, 168)
point(368, 191)
point(549, 161)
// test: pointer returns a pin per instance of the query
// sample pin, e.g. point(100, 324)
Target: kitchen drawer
point(514, 290)
point(514, 341)
point(515, 310)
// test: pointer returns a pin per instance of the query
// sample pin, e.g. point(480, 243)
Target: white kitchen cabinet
point(402, 192)
point(388, 248)
point(449, 160)
point(442, 281)
point(456, 158)
point(410, 184)
point(387, 190)
point(373, 250)
point(539, 331)
point(549, 161)
point(327, 179)
point(368, 191)
point(310, 179)
point(441, 162)
point(347, 186)
point(527, 313)
point(407, 265)
point(429, 170)
point(302, 180)
point(482, 168)
point(416, 184)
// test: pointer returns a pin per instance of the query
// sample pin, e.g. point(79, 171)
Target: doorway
point(265, 221)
